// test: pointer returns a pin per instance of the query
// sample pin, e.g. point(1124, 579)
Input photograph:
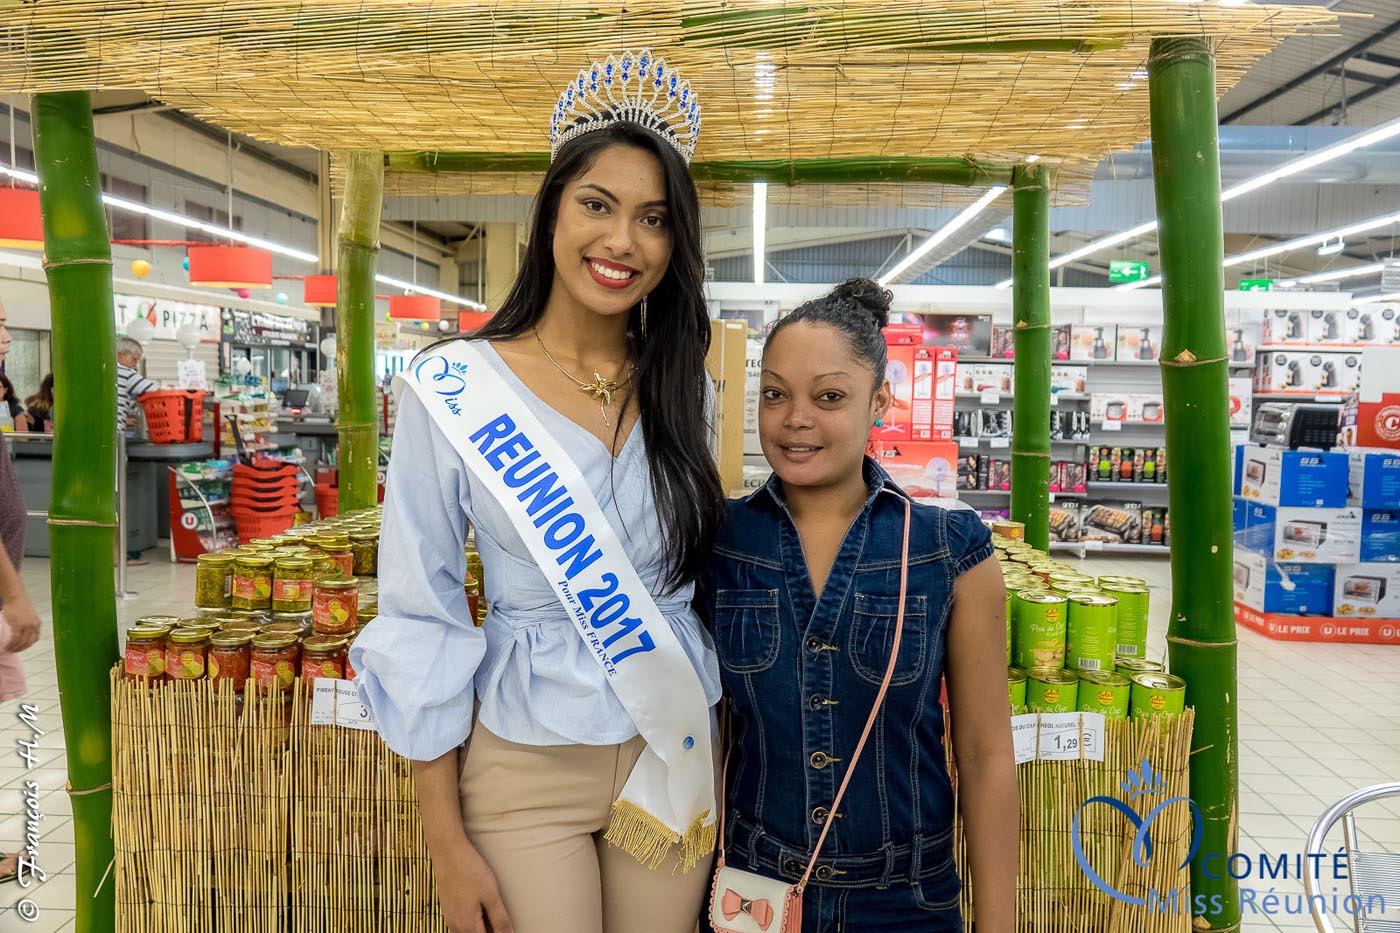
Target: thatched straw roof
point(828, 80)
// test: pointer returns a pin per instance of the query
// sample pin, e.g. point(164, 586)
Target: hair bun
point(869, 297)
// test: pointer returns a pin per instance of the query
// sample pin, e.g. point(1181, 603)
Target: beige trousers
point(537, 816)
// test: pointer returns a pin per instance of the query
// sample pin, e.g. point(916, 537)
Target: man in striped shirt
point(131, 385)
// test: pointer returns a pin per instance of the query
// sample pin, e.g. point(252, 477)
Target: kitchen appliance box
point(1139, 343)
point(1130, 408)
point(1267, 586)
point(1307, 372)
point(1310, 478)
point(1065, 518)
point(1367, 591)
point(1380, 536)
point(1374, 478)
point(1241, 395)
point(1331, 328)
point(1371, 416)
point(979, 377)
point(1091, 342)
point(1303, 536)
point(1070, 379)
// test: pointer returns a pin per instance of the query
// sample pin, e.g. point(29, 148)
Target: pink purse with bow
point(745, 902)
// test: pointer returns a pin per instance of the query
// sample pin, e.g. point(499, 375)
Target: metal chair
point(1368, 873)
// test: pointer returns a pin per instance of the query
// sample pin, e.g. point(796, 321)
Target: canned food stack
point(1077, 643)
point(273, 609)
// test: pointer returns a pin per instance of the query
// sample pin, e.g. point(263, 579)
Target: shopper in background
point(803, 598)
point(39, 407)
point(10, 399)
point(131, 385)
point(602, 343)
point(19, 623)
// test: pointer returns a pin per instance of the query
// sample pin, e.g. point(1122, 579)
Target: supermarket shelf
point(1101, 486)
point(1009, 397)
point(1103, 547)
point(1074, 441)
point(983, 492)
point(1334, 347)
point(1299, 397)
point(1070, 396)
point(1068, 495)
point(1115, 362)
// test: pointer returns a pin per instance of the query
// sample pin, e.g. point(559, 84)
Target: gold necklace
point(601, 389)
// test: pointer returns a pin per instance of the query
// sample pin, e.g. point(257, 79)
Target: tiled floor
point(1317, 721)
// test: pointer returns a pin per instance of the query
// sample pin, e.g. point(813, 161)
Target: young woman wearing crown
point(571, 433)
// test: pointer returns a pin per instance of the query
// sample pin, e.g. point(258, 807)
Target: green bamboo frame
point(78, 263)
point(358, 425)
point(875, 170)
point(1195, 374)
point(1030, 304)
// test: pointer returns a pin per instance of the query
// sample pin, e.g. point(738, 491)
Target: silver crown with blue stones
point(634, 87)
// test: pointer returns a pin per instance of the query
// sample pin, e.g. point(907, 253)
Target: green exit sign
point(1123, 270)
point(1256, 285)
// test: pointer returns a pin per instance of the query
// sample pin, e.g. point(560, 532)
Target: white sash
point(670, 795)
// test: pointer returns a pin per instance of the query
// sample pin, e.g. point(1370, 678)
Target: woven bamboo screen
point(955, 78)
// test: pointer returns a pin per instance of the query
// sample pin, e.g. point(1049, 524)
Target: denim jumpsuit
point(802, 674)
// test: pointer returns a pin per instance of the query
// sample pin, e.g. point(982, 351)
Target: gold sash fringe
point(647, 839)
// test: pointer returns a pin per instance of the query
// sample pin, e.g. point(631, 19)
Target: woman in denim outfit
point(803, 596)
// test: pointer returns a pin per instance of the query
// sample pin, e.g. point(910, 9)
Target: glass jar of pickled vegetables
point(323, 656)
point(145, 652)
point(365, 547)
point(168, 621)
point(213, 581)
point(473, 589)
point(322, 564)
point(230, 657)
point(274, 661)
point(252, 582)
point(302, 620)
point(291, 585)
point(251, 626)
point(335, 606)
point(343, 556)
point(283, 628)
point(186, 651)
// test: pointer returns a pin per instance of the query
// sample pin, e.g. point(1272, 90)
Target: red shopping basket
point(174, 416)
point(257, 524)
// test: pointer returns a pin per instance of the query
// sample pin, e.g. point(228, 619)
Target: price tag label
point(323, 702)
point(348, 710)
point(967, 443)
point(991, 396)
point(997, 442)
point(1113, 425)
point(1057, 736)
point(1052, 497)
point(1054, 399)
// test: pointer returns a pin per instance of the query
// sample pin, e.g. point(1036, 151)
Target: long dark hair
point(670, 381)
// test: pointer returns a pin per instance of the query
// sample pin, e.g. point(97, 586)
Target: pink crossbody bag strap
point(865, 733)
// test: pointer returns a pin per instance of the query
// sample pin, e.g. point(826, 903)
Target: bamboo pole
point(354, 324)
point(1201, 638)
point(78, 263)
point(1030, 303)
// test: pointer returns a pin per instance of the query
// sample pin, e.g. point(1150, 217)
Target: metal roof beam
point(1356, 98)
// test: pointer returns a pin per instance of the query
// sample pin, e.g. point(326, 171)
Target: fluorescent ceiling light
point(760, 229)
point(948, 229)
point(135, 207)
point(997, 235)
point(1326, 154)
point(1350, 272)
point(1372, 299)
point(1332, 249)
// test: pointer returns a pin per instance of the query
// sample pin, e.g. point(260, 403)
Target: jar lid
point(189, 636)
point(250, 626)
point(146, 632)
point(218, 557)
point(364, 536)
point(273, 641)
point(295, 618)
point(167, 621)
point(231, 639)
point(335, 583)
point(283, 628)
point(255, 560)
point(366, 614)
point(293, 563)
point(324, 644)
point(257, 615)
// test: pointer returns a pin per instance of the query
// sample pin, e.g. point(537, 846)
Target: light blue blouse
point(422, 661)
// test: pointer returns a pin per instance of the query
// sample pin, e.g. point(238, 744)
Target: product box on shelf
point(1367, 590)
point(1069, 425)
point(1142, 343)
point(1241, 397)
point(923, 468)
point(922, 381)
point(1117, 523)
point(1374, 478)
point(969, 334)
point(1374, 326)
point(1312, 478)
point(968, 472)
point(1147, 409)
point(1241, 511)
point(1307, 372)
point(1064, 520)
point(1110, 406)
point(1061, 337)
point(1243, 339)
point(1268, 586)
point(753, 371)
point(1092, 341)
point(1371, 416)
point(980, 377)
point(1283, 326)
point(1327, 327)
point(1380, 536)
point(1301, 535)
point(1154, 526)
point(1073, 380)
point(1068, 476)
point(1003, 342)
point(904, 335)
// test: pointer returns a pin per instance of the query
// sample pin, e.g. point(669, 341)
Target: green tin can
point(1130, 666)
point(1155, 693)
point(1070, 578)
point(1038, 629)
point(1104, 692)
point(1092, 632)
point(1016, 687)
point(1074, 589)
point(1051, 690)
point(1132, 618)
point(1121, 580)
